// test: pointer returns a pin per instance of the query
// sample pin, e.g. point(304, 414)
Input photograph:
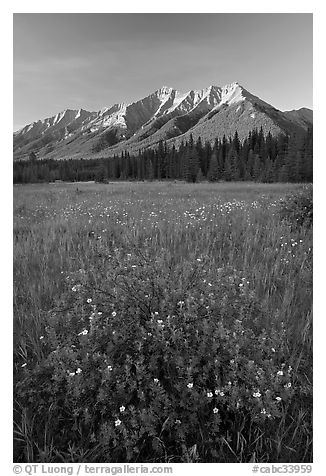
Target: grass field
point(161, 322)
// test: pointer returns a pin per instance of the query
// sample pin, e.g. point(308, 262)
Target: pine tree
point(213, 172)
point(191, 162)
point(207, 155)
point(200, 176)
point(231, 166)
point(150, 170)
point(290, 160)
point(307, 152)
point(257, 170)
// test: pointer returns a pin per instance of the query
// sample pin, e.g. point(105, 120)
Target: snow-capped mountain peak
point(166, 114)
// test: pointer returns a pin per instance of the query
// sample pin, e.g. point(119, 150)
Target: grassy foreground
point(161, 322)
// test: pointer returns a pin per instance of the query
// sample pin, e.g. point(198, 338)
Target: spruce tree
point(257, 170)
point(191, 164)
point(213, 173)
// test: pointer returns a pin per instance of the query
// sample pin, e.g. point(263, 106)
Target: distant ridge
point(166, 114)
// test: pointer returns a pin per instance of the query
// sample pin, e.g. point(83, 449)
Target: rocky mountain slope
point(166, 114)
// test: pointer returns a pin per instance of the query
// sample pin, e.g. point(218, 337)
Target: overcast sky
point(94, 60)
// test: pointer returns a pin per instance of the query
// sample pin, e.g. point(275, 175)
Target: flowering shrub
point(146, 359)
point(297, 208)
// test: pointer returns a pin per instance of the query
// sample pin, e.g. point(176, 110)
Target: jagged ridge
point(166, 114)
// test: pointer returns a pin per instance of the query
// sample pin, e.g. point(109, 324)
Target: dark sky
point(93, 60)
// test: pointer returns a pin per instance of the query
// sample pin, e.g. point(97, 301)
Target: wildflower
point(290, 369)
point(263, 411)
point(24, 365)
point(209, 394)
point(160, 321)
point(215, 410)
point(117, 422)
point(79, 370)
point(278, 399)
point(89, 300)
point(273, 350)
point(178, 422)
point(280, 372)
point(83, 333)
point(109, 368)
point(256, 394)
point(114, 313)
point(190, 385)
point(155, 380)
point(122, 409)
point(181, 303)
point(288, 385)
point(41, 337)
point(71, 374)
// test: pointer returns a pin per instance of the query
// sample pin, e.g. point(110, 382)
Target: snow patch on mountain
point(232, 94)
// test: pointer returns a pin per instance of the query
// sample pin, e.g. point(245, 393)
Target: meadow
point(161, 322)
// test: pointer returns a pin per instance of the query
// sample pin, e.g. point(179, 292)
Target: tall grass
point(202, 256)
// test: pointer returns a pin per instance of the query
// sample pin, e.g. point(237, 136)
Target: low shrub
point(297, 208)
point(146, 361)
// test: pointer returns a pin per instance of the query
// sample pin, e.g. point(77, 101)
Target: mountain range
point(165, 114)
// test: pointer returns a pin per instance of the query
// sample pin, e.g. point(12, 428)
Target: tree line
point(261, 158)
